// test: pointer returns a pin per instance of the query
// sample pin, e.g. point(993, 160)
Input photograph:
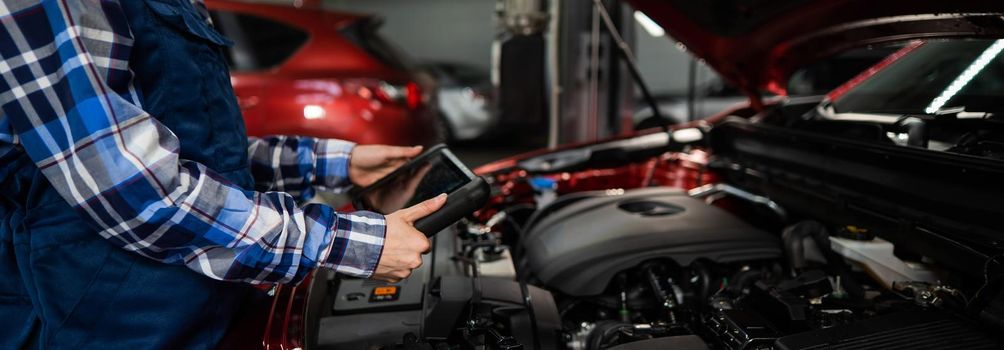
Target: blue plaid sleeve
point(68, 102)
point(298, 165)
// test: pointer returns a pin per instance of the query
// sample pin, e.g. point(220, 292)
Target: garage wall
point(663, 65)
point(434, 30)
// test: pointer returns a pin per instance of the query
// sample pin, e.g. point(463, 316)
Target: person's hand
point(403, 245)
point(369, 163)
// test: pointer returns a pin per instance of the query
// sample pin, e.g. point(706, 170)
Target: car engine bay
point(626, 245)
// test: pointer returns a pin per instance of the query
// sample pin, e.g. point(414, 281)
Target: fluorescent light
point(650, 26)
point(313, 112)
point(967, 75)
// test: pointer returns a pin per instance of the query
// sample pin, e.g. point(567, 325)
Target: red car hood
point(757, 44)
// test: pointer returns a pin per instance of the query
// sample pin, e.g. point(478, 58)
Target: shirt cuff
point(331, 164)
point(357, 244)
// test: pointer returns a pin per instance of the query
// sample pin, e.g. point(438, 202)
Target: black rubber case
point(459, 203)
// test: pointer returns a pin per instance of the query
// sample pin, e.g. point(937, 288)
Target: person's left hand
point(369, 163)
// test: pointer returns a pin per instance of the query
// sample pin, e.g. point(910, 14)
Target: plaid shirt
point(68, 101)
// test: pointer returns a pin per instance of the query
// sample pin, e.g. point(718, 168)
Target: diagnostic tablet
point(431, 173)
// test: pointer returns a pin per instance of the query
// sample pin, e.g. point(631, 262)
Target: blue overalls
point(62, 286)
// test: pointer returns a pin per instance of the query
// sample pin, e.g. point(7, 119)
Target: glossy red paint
point(678, 170)
point(285, 329)
point(330, 87)
point(272, 319)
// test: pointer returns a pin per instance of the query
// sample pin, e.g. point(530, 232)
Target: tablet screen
point(437, 174)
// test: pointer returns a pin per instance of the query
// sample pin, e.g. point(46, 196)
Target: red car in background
point(308, 71)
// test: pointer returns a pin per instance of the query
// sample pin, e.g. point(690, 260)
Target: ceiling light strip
point(967, 75)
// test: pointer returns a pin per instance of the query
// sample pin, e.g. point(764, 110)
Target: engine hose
point(602, 332)
point(662, 293)
point(982, 305)
point(792, 239)
point(794, 249)
point(700, 266)
point(742, 279)
point(660, 284)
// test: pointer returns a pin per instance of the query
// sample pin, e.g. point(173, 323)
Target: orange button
point(388, 290)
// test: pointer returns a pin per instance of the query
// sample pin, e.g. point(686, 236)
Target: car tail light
point(414, 95)
point(408, 95)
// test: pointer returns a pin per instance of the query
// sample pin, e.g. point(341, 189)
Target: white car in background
point(465, 99)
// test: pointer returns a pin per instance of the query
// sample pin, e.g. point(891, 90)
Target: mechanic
point(131, 199)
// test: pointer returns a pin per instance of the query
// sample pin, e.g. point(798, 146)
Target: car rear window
point(259, 43)
point(364, 34)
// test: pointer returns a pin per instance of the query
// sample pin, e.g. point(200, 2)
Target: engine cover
point(579, 247)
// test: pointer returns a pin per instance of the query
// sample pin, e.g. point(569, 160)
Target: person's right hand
point(403, 245)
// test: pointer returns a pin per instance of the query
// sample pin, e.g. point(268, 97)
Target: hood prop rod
point(630, 61)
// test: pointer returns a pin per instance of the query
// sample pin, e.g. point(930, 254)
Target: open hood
point(757, 44)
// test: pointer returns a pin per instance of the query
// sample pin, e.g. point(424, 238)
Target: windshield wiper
point(960, 112)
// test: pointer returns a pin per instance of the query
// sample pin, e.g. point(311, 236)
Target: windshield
point(938, 76)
